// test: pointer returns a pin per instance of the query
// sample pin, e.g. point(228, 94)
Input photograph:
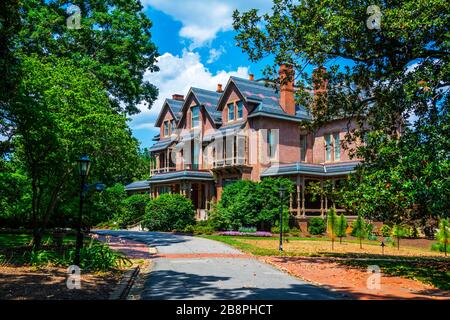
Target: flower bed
point(249, 234)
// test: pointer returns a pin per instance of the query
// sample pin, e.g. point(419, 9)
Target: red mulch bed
point(353, 281)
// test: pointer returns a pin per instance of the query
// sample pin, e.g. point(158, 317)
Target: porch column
point(321, 200)
point(303, 196)
point(299, 200)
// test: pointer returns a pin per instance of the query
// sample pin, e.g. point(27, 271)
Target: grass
point(418, 264)
point(11, 240)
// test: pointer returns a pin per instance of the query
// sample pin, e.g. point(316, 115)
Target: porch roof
point(323, 170)
point(181, 175)
point(138, 185)
point(161, 144)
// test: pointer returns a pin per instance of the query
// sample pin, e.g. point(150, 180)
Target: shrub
point(133, 209)
point(189, 229)
point(203, 229)
point(440, 247)
point(40, 257)
point(443, 235)
point(341, 228)
point(359, 229)
point(246, 202)
point(99, 257)
point(169, 212)
point(295, 232)
point(386, 230)
point(247, 229)
point(316, 226)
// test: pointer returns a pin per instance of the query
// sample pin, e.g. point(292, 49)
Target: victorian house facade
point(244, 130)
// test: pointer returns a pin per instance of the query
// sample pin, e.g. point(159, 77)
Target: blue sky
point(197, 48)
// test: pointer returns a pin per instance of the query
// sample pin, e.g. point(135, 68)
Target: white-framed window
point(337, 146)
point(240, 109)
point(195, 118)
point(303, 146)
point(332, 147)
point(173, 126)
point(230, 112)
point(328, 147)
point(271, 143)
point(166, 128)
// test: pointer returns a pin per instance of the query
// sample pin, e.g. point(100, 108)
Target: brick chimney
point(219, 88)
point(178, 97)
point(319, 83)
point(251, 77)
point(287, 100)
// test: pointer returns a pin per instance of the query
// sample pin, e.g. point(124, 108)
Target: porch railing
point(162, 170)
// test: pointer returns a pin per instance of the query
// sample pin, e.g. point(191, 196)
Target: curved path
point(196, 268)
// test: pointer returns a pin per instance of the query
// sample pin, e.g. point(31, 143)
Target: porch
point(195, 185)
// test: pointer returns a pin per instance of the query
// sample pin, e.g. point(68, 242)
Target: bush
point(316, 226)
point(247, 229)
point(386, 230)
point(189, 229)
point(169, 212)
point(133, 209)
point(249, 203)
point(99, 257)
point(439, 247)
point(295, 232)
point(203, 229)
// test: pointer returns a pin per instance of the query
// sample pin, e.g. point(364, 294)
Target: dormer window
point(195, 120)
point(240, 107)
point(231, 112)
point(166, 128)
point(173, 126)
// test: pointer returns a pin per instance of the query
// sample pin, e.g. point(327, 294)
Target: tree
point(399, 232)
point(249, 203)
point(134, 209)
point(113, 44)
point(443, 234)
point(71, 115)
point(392, 81)
point(169, 212)
point(341, 228)
point(359, 229)
point(108, 205)
point(332, 226)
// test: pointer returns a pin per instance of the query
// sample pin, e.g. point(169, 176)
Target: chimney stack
point(179, 97)
point(287, 100)
point(219, 87)
point(251, 77)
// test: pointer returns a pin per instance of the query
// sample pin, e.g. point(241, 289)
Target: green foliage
point(247, 229)
point(341, 227)
point(396, 78)
point(332, 220)
point(246, 202)
point(133, 209)
point(386, 230)
point(113, 45)
point(169, 212)
point(443, 235)
point(41, 257)
point(108, 204)
point(359, 229)
point(316, 226)
point(99, 257)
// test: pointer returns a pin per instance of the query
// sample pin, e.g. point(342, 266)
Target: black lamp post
point(84, 163)
point(282, 190)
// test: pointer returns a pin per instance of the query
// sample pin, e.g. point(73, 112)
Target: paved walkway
point(196, 268)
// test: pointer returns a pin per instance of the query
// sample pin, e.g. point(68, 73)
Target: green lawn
point(11, 240)
point(433, 270)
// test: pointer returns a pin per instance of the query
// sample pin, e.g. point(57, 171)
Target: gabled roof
point(208, 99)
point(267, 99)
point(174, 107)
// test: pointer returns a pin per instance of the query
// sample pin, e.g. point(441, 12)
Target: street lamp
point(282, 190)
point(84, 163)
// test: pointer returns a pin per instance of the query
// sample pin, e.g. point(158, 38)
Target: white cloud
point(203, 19)
point(214, 54)
point(177, 74)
